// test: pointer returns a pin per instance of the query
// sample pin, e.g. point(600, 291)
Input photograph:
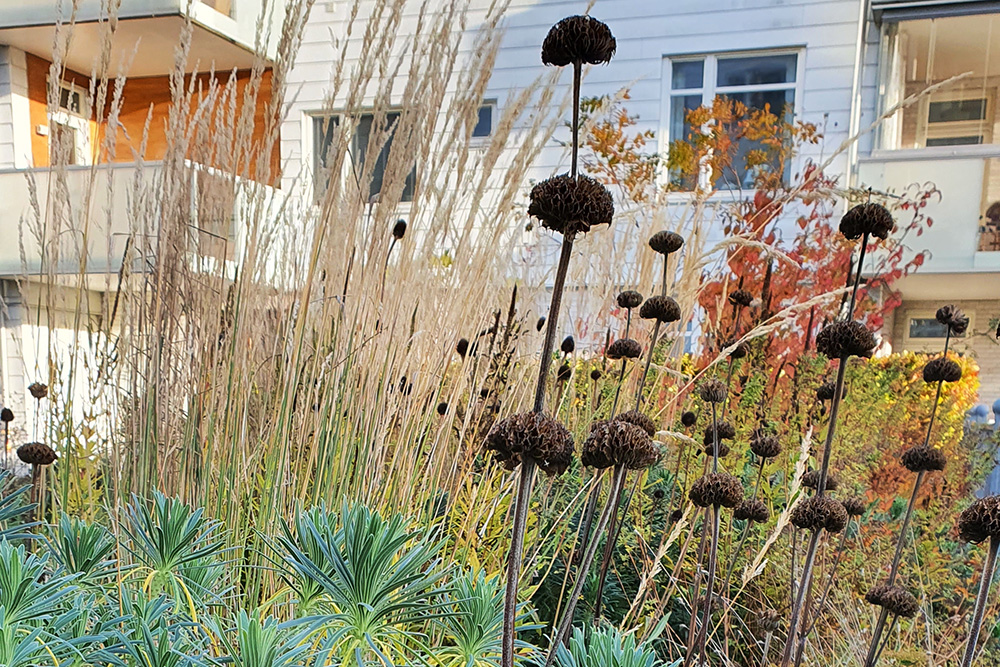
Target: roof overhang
point(910, 10)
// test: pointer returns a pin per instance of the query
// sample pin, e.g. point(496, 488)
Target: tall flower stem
point(696, 593)
point(793, 621)
point(527, 464)
point(746, 531)
point(652, 342)
point(591, 508)
point(621, 373)
point(614, 529)
point(984, 591)
point(713, 558)
point(562, 632)
point(821, 605)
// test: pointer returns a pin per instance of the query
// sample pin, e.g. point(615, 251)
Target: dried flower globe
point(827, 390)
point(399, 229)
point(738, 352)
point(894, 599)
point(764, 445)
point(845, 339)
point(953, 318)
point(810, 480)
point(709, 448)
point(820, 513)
point(725, 430)
point(923, 458)
point(624, 348)
point(581, 39)
point(595, 374)
point(36, 454)
point(665, 242)
point(463, 347)
point(535, 435)
point(942, 369)
point(564, 373)
point(613, 443)
point(540, 324)
point(640, 420)
point(980, 521)
point(870, 218)
point(713, 391)
point(568, 345)
point(38, 390)
point(571, 205)
point(854, 505)
point(6, 415)
point(741, 297)
point(658, 494)
point(767, 622)
point(689, 419)
point(629, 299)
point(753, 510)
point(442, 408)
point(660, 308)
point(716, 488)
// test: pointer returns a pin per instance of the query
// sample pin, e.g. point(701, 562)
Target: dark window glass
point(756, 71)
point(484, 124)
point(972, 140)
point(956, 110)
point(926, 327)
point(323, 133)
point(779, 102)
point(687, 74)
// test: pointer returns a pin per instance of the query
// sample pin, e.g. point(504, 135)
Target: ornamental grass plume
point(921, 459)
point(978, 523)
point(839, 341)
point(568, 204)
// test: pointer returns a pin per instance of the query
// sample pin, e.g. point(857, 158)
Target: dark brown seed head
point(571, 205)
point(629, 299)
point(596, 448)
point(712, 391)
point(613, 443)
point(924, 458)
point(716, 488)
point(870, 218)
point(753, 510)
point(658, 494)
point(38, 390)
point(942, 369)
point(624, 348)
point(676, 515)
point(980, 520)
point(845, 339)
point(810, 480)
point(540, 324)
point(36, 453)
point(463, 347)
point(595, 374)
point(535, 435)
point(854, 505)
point(741, 297)
point(827, 390)
point(709, 448)
point(894, 599)
point(640, 420)
point(953, 318)
point(820, 513)
point(738, 352)
point(660, 308)
point(689, 419)
point(6, 415)
point(442, 408)
point(564, 373)
point(767, 622)
point(568, 345)
point(725, 430)
point(399, 229)
point(665, 242)
point(764, 445)
point(578, 39)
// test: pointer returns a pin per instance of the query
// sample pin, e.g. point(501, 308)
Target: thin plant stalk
point(614, 532)
point(702, 545)
point(527, 464)
point(652, 342)
point(793, 621)
point(984, 591)
point(767, 649)
point(746, 530)
point(713, 556)
point(821, 606)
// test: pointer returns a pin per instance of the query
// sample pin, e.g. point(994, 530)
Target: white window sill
point(933, 153)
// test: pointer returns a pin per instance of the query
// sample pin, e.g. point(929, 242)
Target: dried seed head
point(854, 505)
point(571, 205)
point(38, 390)
point(980, 520)
point(624, 348)
point(924, 458)
point(676, 515)
point(629, 299)
point(741, 297)
point(665, 242)
point(738, 352)
point(612, 443)
point(716, 488)
point(726, 432)
point(578, 38)
point(894, 599)
point(810, 480)
point(463, 347)
point(535, 435)
point(568, 345)
point(658, 494)
point(767, 622)
point(713, 391)
point(845, 339)
point(753, 510)
point(36, 453)
point(399, 229)
point(540, 324)
point(6, 415)
point(764, 445)
point(660, 308)
point(942, 369)
point(442, 408)
point(820, 513)
point(595, 374)
point(709, 449)
point(870, 218)
point(953, 318)
point(689, 419)
point(564, 373)
point(640, 420)
point(827, 390)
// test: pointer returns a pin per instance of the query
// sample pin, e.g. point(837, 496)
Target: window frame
point(486, 138)
point(77, 121)
point(918, 343)
point(709, 88)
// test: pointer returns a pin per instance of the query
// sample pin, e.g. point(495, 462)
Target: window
point(484, 121)
point(758, 81)
point(927, 326)
point(69, 128)
point(324, 129)
point(925, 52)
